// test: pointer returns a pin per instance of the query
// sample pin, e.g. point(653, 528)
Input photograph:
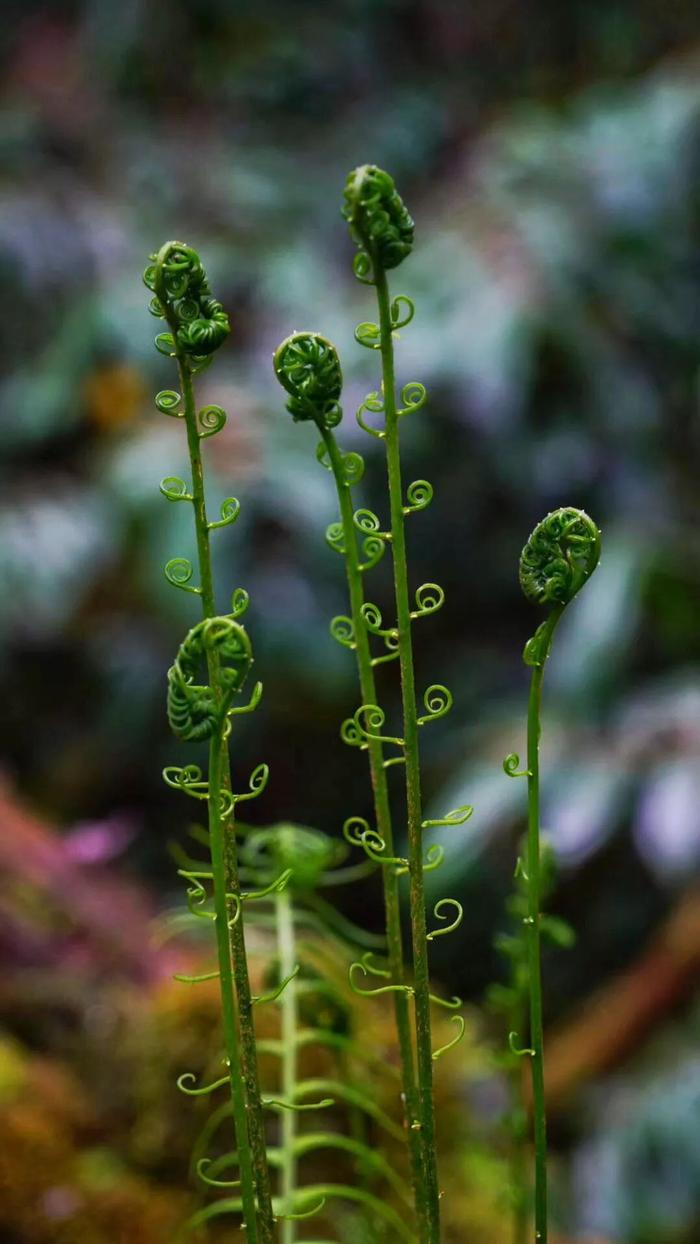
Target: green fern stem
point(380, 789)
point(559, 557)
point(238, 1098)
point(539, 1115)
point(426, 1108)
point(289, 1014)
point(230, 931)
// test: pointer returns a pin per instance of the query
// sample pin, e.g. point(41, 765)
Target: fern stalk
point(380, 790)
point(559, 557)
point(194, 335)
point(308, 367)
point(534, 952)
point(233, 929)
point(419, 931)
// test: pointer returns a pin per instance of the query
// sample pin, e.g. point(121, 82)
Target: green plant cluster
point(288, 867)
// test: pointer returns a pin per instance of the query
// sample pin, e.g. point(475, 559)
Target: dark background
point(549, 154)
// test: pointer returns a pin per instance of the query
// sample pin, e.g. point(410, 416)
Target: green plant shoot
point(559, 557)
point(198, 712)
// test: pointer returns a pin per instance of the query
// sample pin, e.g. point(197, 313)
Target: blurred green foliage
point(550, 157)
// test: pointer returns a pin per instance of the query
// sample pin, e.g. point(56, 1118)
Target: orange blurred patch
point(114, 395)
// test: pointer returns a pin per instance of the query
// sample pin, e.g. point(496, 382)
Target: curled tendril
point(240, 601)
point(202, 1167)
point(188, 1077)
point(560, 555)
point(362, 267)
point(353, 468)
point(178, 571)
point(458, 816)
point(188, 779)
point(277, 886)
point(400, 318)
point(368, 969)
point(359, 833)
point(343, 631)
point(351, 735)
point(195, 710)
point(461, 1025)
point(175, 489)
point(230, 509)
point(302, 1213)
point(196, 894)
point(438, 912)
point(372, 616)
point(368, 334)
point(335, 537)
point(168, 401)
point(256, 784)
point(438, 701)
point(434, 857)
point(414, 395)
point(419, 494)
point(374, 405)
point(252, 704)
point(369, 719)
point(378, 219)
point(519, 1051)
point(429, 598)
point(373, 549)
point(511, 766)
point(165, 344)
point(272, 996)
point(450, 1004)
point(308, 367)
point(368, 523)
point(210, 420)
point(182, 295)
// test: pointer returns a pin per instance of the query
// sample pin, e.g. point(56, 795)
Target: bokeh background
point(550, 155)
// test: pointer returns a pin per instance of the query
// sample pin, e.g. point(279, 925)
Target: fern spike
point(383, 230)
point(307, 366)
point(558, 559)
point(197, 326)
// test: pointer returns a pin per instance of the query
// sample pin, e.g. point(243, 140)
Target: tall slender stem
point(426, 1109)
point(238, 1098)
point(255, 1131)
point(288, 1003)
point(533, 929)
point(382, 809)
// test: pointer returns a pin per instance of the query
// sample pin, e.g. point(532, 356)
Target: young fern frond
point(383, 231)
point(203, 711)
point(308, 367)
point(558, 559)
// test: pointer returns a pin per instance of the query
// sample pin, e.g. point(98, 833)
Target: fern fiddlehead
point(307, 366)
point(558, 559)
point(382, 228)
point(197, 326)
